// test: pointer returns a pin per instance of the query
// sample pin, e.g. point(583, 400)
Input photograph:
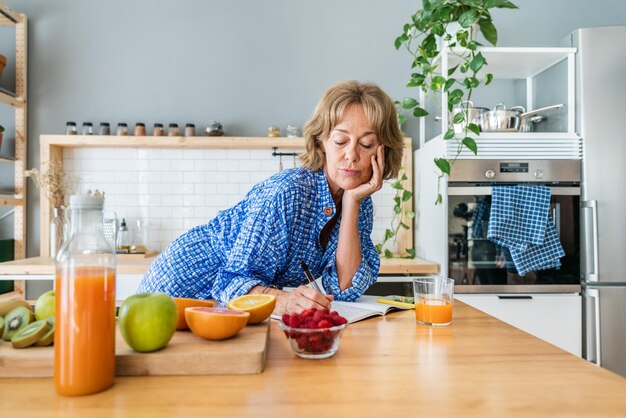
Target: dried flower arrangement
point(54, 183)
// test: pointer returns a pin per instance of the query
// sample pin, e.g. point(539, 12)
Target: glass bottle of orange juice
point(84, 340)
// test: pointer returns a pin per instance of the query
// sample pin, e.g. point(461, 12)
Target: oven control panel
point(507, 171)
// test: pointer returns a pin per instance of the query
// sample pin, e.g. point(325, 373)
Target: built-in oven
point(478, 265)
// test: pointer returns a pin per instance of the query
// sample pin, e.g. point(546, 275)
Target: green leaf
point(411, 252)
point(401, 119)
point(501, 4)
point(437, 82)
point(397, 185)
point(443, 165)
point(468, 18)
point(488, 79)
point(404, 177)
point(388, 234)
point(418, 112)
point(398, 42)
point(472, 45)
point(388, 254)
point(397, 210)
point(409, 103)
point(449, 83)
point(470, 144)
point(404, 226)
point(474, 128)
point(439, 199)
point(379, 248)
point(477, 62)
point(452, 70)
point(397, 200)
point(458, 117)
point(488, 30)
point(406, 196)
point(409, 214)
point(449, 134)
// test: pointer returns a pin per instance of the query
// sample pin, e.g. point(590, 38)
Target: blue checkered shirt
point(261, 241)
point(520, 221)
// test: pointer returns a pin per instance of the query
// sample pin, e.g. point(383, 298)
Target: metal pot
point(474, 115)
point(515, 119)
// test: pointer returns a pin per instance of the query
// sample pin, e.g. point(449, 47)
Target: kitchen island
point(386, 366)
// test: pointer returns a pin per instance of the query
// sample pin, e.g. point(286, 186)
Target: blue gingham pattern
point(478, 217)
point(520, 220)
point(261, 241)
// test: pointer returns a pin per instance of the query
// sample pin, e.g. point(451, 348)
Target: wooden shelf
point(8, 16)
point(216, 142)
point(7, 200)
point(13, 101)
point(6, 159)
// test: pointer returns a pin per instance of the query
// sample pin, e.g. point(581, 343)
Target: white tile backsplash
point(177, 189)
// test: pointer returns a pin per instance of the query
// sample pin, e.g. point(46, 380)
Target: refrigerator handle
point(593, 349)
point(590, 242)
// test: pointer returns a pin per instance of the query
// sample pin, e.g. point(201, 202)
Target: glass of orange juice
point(433, 300)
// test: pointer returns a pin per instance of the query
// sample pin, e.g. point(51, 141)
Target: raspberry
point(324, 323)
point(287, 319)
point(318, 315)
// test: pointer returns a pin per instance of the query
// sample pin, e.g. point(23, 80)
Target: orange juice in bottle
point(84, 343)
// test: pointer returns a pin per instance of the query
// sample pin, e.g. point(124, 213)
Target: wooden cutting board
point(185, 354)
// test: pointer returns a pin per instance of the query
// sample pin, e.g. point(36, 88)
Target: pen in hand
point(310, 277)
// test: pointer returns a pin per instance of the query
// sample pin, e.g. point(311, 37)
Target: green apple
point(44, 307)
point(148, 321)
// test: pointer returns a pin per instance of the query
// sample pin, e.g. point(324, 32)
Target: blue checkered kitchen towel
point(520, 221)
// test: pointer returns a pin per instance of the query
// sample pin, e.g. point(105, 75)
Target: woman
point(321, 214)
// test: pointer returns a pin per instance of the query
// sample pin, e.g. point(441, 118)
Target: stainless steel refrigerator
point(601, 122)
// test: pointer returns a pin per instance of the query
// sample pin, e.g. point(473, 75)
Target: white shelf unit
point(17, 197)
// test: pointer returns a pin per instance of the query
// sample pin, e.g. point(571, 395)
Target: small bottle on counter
point(70, 128)
point(123, 239)
point(190, 129)
point(122, 129)
point(273, 131)
point(140, 129)
point(173, 130)
point(105, 128)
point(87, 128)
point(158, 130)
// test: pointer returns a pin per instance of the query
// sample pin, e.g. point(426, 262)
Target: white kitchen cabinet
point(555, 318)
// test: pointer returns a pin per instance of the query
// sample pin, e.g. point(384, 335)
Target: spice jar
point(173, 130)
point(122, 129)
point(105, 128)
point(158, 130)
point(87, 128)
point(190, 129)
point(292, 131)
point(273, 131)
point(70, 128)
point(214, 129)
point(140, 129)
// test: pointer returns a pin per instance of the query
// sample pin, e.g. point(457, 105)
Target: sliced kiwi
point(48, 337)
point(1, 325)
point(30, 334)
point(15, 320)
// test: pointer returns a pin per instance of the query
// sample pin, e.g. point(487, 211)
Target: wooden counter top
point(387, 366)
point(138, 265)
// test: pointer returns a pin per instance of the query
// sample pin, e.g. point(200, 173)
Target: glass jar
point(123, 238)
point(87, 128)
point(190, 129)
point(105, 128)
point(140, 129)
point(173, 130)
point(214, 128)
point(292, 131)
point(158, 130)
point(84, 341)
point(273, 131)
point(70, 128)
point(122, 129)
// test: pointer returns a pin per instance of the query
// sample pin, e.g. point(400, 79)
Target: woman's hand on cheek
point(375, 183)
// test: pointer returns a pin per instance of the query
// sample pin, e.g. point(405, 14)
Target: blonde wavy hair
point(379, 111)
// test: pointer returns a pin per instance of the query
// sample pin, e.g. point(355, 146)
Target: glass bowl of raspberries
point(314, 333)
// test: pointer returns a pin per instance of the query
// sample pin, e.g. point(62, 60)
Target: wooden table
point(388, 366)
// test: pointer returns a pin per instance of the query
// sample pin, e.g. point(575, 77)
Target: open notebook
point(365, 307)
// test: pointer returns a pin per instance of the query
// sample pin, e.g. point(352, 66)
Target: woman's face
point(349, 150)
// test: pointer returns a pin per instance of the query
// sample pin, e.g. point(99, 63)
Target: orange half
point(215, 323)
point(260, 306)
point(182, 303)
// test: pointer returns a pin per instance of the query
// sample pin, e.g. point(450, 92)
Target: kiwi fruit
point(1, 325)
point(30, 334)
point(8, 305)
point(15, 320)
point(48, 337)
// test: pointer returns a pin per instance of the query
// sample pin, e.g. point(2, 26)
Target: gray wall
point(246, 63)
